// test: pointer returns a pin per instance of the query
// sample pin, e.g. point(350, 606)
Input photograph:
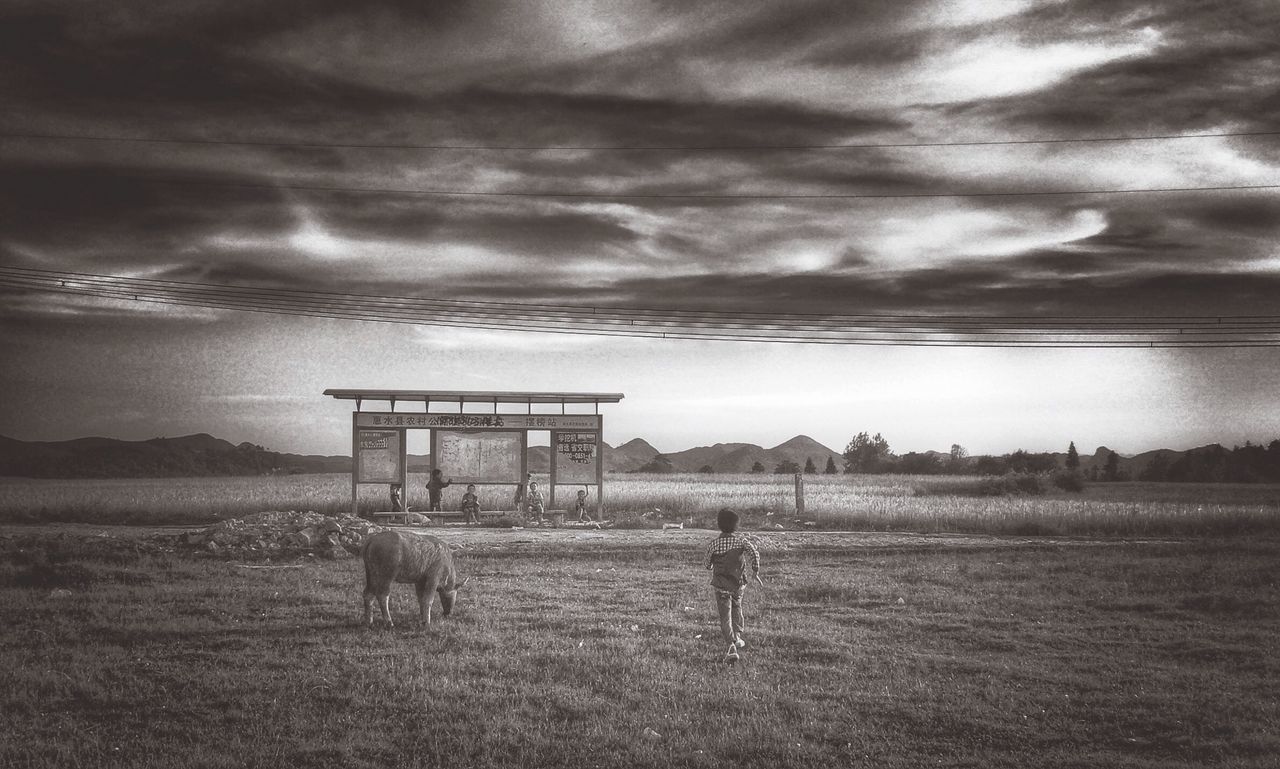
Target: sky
point(240, 104)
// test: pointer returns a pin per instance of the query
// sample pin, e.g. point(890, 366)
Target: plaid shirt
point(728, 542)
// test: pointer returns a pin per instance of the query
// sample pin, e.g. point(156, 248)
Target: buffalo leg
point(384, 603)
point(426, 594)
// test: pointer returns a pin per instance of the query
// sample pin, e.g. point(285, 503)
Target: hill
point(629, 456)
point(740, 457)
point(190, 455)
point(203, 454)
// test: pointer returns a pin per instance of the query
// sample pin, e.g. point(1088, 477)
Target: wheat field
point(857, 502)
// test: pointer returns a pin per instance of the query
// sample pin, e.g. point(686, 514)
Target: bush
point(1029, 484)
point(1069, 481)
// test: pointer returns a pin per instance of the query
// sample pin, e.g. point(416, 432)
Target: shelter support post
point(355, 471)
point(600, 468)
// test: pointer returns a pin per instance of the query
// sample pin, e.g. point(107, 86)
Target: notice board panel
point(575, 456)
point(478, 456)
point(378, 456)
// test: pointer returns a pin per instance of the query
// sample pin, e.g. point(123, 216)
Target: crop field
point(879, 650)
point(857, 502)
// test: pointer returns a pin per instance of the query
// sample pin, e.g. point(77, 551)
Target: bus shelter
point(477, 437)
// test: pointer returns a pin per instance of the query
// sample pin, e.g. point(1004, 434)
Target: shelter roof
point(472, 396)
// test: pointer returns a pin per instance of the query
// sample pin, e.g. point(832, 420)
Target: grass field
point(870, 503)
point(562, 653)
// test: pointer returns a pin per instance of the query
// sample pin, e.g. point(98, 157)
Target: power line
point(632, 148)
point(593, 312)
point(678, 196)
point(1215, 331)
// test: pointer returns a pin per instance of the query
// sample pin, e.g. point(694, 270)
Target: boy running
point(727, 558)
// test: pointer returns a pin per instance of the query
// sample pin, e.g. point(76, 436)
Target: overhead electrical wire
point(624, 148)
point(675, 195)
point(864, 329)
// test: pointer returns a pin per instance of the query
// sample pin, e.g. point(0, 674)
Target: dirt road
point(464, 537)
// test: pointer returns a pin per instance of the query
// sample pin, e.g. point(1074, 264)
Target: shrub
point(1027, 483)
point(1069, 481)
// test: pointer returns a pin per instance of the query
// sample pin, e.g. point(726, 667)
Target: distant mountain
point(316, 463)
point(203, 454)
point(629, 456)
point(190, 455)
point(801, 448)
point(740, 457)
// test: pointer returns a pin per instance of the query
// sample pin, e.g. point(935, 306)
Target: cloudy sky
point(245, 109)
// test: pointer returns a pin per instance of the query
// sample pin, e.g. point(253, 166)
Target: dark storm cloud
point(548, 117)
point(64, 66)
point(1259, 216)
point(118, 208)
point(977, 290)
point(484, 74)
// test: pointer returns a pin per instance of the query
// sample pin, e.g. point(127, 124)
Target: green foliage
point(866, 454)
point(1111, 470)
point(1068, 481)
point(786, 467)
point(809, 467)
point(831, 468)
point(1073, 457)
point(659, 464)
point(706, 469)
point(757, 468)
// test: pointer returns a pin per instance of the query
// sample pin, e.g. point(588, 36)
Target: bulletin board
point(479, 456)
point(576, 456)
point(379, 455)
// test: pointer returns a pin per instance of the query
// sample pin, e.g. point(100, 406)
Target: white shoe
point(741, 644)
point(732, 656)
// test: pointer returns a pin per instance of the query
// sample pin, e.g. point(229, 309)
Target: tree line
point(1250, 463)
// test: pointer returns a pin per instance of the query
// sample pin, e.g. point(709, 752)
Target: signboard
point(575, 457)
point(480, 421)
point(478, 456)
point(378, 456)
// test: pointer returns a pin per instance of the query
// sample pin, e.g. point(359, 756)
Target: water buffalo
point(392, 556)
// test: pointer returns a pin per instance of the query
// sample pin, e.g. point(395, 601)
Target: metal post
point(600, 468)
point(551, 495)
point(799, 494)
point(404, 472)
point(355, 463)
point(524, 467)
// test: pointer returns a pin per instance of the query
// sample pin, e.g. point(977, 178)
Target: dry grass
point(1121, 655)
point(876, 503)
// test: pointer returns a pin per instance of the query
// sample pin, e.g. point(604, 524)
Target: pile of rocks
point(282, 534)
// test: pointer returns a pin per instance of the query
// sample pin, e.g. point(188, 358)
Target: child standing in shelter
point(727, 558)
point(470, 505)
point(520, 490)
point(580, 507)
point(533, 502)
point(434, 487)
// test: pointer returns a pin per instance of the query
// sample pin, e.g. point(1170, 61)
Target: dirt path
point(464, 537)
point(766, 540)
